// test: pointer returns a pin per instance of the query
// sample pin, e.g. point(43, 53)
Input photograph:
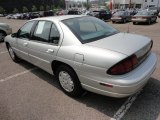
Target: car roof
point(59, 18)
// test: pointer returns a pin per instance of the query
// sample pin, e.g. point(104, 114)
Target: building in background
point(135, 3)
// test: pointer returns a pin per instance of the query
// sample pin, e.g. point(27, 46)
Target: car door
point(22, 40)
point(43, 46)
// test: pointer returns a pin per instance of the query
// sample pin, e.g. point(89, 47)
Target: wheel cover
point(11, 53)
point(66, 81)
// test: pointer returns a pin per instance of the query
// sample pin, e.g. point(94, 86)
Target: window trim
point(44, 42)
point(30, 33)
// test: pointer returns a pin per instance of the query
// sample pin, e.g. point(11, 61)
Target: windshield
point(88, 29)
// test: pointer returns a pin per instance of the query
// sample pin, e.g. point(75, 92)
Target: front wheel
point(12, 54)
point(69, 81)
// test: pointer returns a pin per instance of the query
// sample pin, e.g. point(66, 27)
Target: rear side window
point(24, 32)
point(54, 35)
point(42, 31)
point(88, 29)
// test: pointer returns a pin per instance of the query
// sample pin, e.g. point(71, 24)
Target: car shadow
point(146, 106)
point(104, 104)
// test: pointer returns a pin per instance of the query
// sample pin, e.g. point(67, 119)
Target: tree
point(2, 10)
point(53, 7)
point(34, 8)
point(41, 8)
point(15, 10)
point(88, 5)
point(25, 9)
point(47, 7)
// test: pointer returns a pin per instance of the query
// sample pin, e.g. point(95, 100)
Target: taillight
point(124, 66)
point(133, 17)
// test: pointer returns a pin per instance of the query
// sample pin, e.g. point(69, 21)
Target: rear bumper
point(117, 20)
point(141, 20)
point(122, 86)
point(9, 31)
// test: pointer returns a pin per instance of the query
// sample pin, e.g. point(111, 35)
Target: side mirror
point(14, 35)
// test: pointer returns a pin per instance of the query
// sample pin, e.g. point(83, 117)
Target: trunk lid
point(124, 43)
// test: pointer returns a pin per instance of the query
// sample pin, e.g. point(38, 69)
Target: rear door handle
point(25, 44)
point(50, 51)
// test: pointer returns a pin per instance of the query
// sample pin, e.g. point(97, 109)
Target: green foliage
point(53, 7)
point(41, 8)
point(15, 10)
point(47, 7)
point(25, 9)
point(9, 5)
point(2, 10)
point(34, 8)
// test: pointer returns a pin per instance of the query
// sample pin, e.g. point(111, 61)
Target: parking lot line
point(18, 74)
point(3, 52)
point(125, 107)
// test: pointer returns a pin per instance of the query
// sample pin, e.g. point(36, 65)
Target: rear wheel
point(124, 21)
point(134, 23)
point(69, 81)
point(12, 54)
point(113, 22)
point(149, 22)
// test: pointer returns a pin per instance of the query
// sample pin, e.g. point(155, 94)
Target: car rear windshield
point(119, 13)
point(88, 29)
point(143, 13)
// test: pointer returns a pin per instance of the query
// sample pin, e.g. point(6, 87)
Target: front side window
point(24, 32)
point(42, 31)
point(88, 29)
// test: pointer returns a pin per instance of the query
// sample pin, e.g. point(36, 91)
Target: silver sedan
point(5, 29)
point(85, 53)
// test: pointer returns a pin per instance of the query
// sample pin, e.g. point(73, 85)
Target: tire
point(69, 81)
point(134, 23)
point(124, 20)
point(13, 56)
point(2, 35)
point(113, 22)
point(149, 22)
point(155, 20)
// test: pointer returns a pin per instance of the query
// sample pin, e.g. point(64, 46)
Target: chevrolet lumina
point(85, 53)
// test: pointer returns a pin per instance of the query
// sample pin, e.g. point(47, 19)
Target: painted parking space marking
point(125, 107)
point(3, 52)
point(18, 74)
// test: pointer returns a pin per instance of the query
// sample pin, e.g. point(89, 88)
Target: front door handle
point(25, 44)
point(50, 51)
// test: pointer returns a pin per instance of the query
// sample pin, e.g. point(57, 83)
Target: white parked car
point(85, 53)
point(159, 14)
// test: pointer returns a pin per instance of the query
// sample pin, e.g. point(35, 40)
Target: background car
point(121, 16)
point(5, 29)
point(144, 17)
point(155, 10)
point(9, 16)
point(159, 14)
point(74, 12)
point(32, 15)
point(102, 14)
point(85, 53)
